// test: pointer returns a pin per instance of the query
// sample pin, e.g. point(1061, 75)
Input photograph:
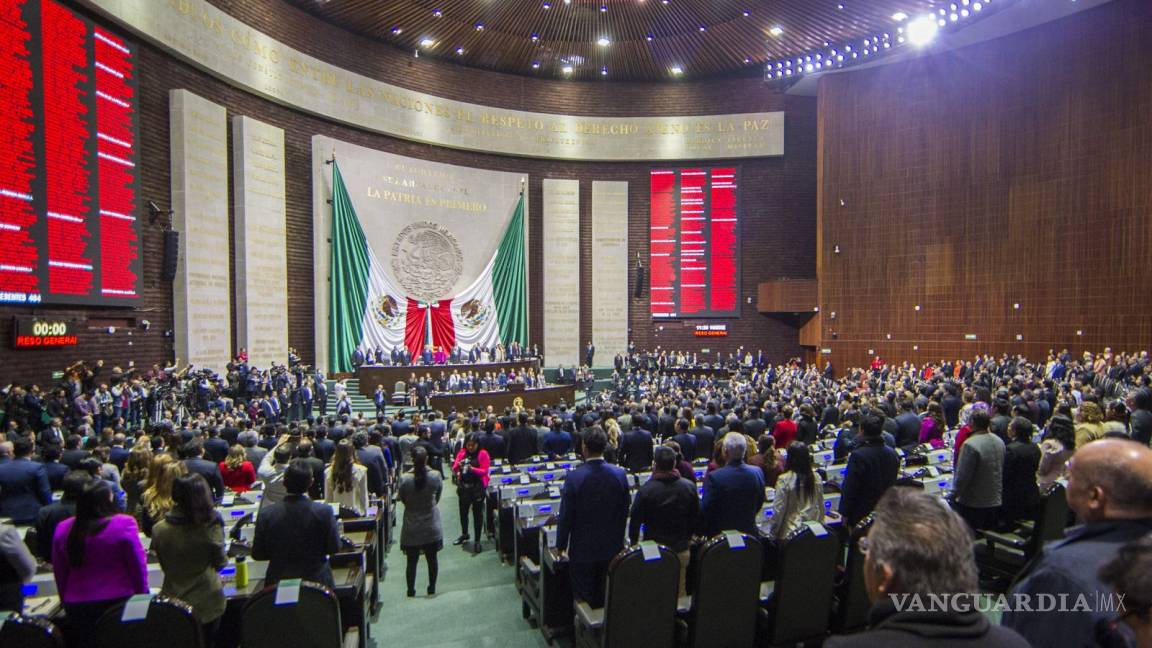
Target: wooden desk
point(529, 398)
point(389, 375)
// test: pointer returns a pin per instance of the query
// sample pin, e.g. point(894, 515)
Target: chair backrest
point(726, 598)
point(640, 606)
point(804, 587)
point(30, 632)
point(312, 622)
point(852, 613)
point(169, 623)
point(1051, 519)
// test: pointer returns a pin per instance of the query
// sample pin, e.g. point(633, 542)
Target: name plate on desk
point(939, 456)
point(534, 508)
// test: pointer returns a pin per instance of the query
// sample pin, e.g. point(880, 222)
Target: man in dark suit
point(686, 441)
point(215, 448)
point(357, 357)
point(296, 536)
point(523, 441)
point(307, 451)
point(908, 425)
point(373, 459)
point(593, 513)
point(872, 470)
point(712, 419)
point(589, 353)
point(733, 494)
point(195, 462)
point(50, 458)
point(636, 450)
point(23, 484)
point(666, 424)
point(705, 439)
point(73, 454)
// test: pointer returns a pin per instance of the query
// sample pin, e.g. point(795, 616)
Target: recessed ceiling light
point(603, 41)
point(427, 42)
point(479, 26)
point(649, 37)
point(745, 13)
point(603, 71)
point(776, 30)
point(567, 69)
point(703, 28)
point(899, 16)
point(396, 31)
point(603, 8)
point(535, 37)
point(547, 6)
point(535, 65)
point(459, 50)
point(436, 13)
point(676, 69)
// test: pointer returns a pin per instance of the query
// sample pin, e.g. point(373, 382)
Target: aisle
point(476, 602)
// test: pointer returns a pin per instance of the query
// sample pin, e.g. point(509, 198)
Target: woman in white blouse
point(799, 494)
point(346, 481)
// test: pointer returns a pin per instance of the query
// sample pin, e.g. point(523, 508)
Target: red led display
point(694, 243)
point(68, 136)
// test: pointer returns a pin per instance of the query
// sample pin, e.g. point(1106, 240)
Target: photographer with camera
point(471, 470)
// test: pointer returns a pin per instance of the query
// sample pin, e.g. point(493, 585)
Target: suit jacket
point(872, 470)
point(374, 462)
point(215, 449)
point(593, 512)
point(118, 456)
point(23, 490)
point(56, 472)
point(210, 472)
point(522, 444)
point(636, 450)
point(666, 426)
point(733, 496)
point(296, 537)
point(705, 439)
point(687, 444)
point(908, 430)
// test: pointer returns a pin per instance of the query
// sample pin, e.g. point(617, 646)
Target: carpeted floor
point(476, 602)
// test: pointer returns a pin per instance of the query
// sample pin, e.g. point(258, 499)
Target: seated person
point(799, 494)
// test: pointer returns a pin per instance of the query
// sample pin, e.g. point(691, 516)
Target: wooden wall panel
point(787, 296)
point(1005, 189)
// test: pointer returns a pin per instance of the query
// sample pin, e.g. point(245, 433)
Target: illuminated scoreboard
point(68, 159)
point(694, 244)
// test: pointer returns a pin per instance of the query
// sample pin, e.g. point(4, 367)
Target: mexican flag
point(369, 309)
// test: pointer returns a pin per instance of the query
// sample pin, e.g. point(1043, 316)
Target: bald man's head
point(1111, 479)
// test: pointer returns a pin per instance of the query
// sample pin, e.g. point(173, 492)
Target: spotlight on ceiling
point(603, 41)
point(922, 31)
point(676, 70)
point(567, 69)
point(899, 16)
point(427, 42)
point(776, 30)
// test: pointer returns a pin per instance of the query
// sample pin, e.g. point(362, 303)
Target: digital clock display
point(40, 333)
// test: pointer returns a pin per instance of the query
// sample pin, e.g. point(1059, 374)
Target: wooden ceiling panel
point(735, 39)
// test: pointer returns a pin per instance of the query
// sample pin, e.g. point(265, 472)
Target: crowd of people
point(429, 355)
point(757, 429)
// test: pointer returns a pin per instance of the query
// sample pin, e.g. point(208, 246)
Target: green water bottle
point(241, 572)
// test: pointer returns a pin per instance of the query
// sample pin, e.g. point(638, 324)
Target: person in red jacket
point(785, 430)
point(237, 471)
point(471, 470)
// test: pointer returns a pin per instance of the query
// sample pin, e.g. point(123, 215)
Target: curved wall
point(778, 194)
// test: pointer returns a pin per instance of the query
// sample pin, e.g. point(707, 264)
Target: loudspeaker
point(639, 290)
point(171, 254)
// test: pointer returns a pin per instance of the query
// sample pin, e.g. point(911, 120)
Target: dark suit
point(215, 449)
point(666, 426)
point(1021, 495)
point(210, 472)
point(872, 470)
point(705, 439)
point(593, 512)
point(374, 462)
point(636, 450)
point(56, 472)
point(117, 456)
point(295, 537)
point(908, 430)
point(23, 490)
point(522, 444)
point(687, 444)
point(72, 458)
point(733, 496)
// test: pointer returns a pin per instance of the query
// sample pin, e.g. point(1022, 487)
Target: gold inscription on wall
point(242, 56)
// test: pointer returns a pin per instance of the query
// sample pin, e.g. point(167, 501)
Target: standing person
point(236, 471)
point(799, 494)
point(296, 535)
point(593, 513)
point(23, 484)
point(189, 542)
point(421, 533)
point(16, 568)
point(872, 470)
point(346, 481)
point(471, 470)
point(733, 493)
point(156, 500)
point(97, 561)
point(666, 506)
point(1021, 494)
point(979, 481)
point(135, 475)
point(1110, 490)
